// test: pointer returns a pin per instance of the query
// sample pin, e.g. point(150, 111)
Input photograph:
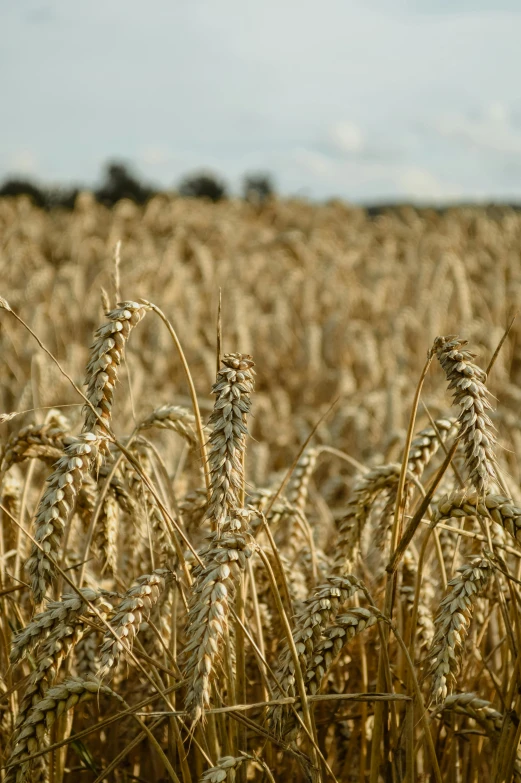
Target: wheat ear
point(298, 486)
point(426, 443)
point(425, 626)
point(42, 441)
point(42, 717)
point(134, 608)
point(56, 507)
point(496, 507)
point(346, 626)
point(311, 621)
point(467, 381)
point(175, 418)
point(57, 613)
point(228, 420)
point(51, 653)
point(225, 769)
point(212, 591)
point(364, 493)
point(452, 622)
point(105, 358)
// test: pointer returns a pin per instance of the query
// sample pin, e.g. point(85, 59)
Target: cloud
point(23, 161)
point(372, 178)
point(346, 137)
point(419, 183)
point(489, 131)
point(155, 155)
point(315, 163)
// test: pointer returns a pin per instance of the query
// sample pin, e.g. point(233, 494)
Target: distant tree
point(120, 183)
point(258, 187)
point(202, 185)
point(23, 187)
point(61, 197)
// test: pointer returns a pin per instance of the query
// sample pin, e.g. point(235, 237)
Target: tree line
point(119, 181)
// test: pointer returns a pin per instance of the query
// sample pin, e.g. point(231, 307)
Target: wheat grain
point(224, 769)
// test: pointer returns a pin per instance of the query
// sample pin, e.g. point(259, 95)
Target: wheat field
point(258, 493)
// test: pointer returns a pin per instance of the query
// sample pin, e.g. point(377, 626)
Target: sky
point(367, 100)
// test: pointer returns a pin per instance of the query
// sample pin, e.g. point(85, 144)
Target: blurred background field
point(334, 305)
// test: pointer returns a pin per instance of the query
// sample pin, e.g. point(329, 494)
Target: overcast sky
point(364, 99)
